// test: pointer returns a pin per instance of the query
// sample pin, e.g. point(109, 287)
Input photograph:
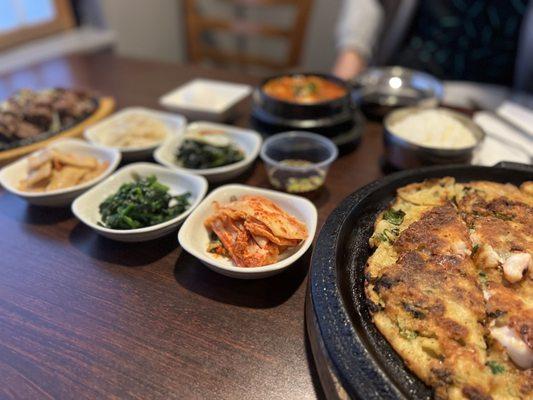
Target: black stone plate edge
point(361, 358)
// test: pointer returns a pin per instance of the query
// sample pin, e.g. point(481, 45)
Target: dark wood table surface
point(83, 317)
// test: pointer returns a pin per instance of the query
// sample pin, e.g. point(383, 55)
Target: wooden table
point(83, 317)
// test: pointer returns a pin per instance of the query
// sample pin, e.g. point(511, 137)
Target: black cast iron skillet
point(361, 358)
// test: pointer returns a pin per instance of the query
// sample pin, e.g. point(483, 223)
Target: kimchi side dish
point(253, 231)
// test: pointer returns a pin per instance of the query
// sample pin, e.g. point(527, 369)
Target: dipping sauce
point(434, 128)
point(303, 89)
point(297, 181)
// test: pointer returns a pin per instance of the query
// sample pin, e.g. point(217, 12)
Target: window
point(24, 20)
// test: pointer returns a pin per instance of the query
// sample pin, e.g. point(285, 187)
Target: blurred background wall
point(155, 29)
point(146, 28)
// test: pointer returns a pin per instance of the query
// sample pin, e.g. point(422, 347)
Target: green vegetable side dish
point(141, 203)
point(199, 155)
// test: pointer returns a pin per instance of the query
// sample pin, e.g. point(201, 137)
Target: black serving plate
point(47, 134)
point(361, 361)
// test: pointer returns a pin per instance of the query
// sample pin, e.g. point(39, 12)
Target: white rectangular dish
point(174, 123)
point(194, 237)
point(206, 99)
point(11, 174)
point(86, 207)
point(247, 140)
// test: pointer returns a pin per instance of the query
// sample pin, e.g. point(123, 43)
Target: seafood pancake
point(450, 286)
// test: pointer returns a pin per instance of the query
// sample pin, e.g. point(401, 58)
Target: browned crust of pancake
point(439, 231)
point(425, 285)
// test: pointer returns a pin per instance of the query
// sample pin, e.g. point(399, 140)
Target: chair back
point(200, 26)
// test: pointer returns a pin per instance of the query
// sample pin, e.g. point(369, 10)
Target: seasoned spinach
point(198, 155)
point(143, 202)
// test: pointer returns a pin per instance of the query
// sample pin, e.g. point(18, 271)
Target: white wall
point(154, 29)
point(319, 50)
point(146, 28)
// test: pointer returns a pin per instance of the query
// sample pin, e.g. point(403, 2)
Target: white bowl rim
point(248, 159)
point(244, 89)
point(152, 228)
point(304, 246)
point(89, 136)
point(114, 154)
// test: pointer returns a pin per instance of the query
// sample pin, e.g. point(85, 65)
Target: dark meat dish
point(29, 115)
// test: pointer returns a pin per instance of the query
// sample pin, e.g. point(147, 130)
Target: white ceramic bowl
point(194, 237)
point(174, 122)
point(249, 141)
point(11, 174)
point(206, 99)
point(85, 207)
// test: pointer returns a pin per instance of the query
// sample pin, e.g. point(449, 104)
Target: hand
point(348, 64)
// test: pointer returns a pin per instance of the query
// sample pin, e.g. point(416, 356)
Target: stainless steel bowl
point(403, 154)
point(380, 90)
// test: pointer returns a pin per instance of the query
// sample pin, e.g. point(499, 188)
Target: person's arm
point(349, 63)
point(357, 32)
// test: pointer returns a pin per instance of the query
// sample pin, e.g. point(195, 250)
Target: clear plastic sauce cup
point(298, 161)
